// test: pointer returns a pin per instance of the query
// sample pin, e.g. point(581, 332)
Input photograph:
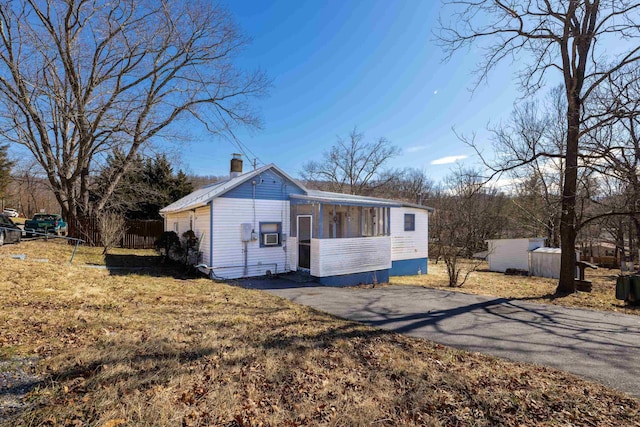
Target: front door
point(304, 242)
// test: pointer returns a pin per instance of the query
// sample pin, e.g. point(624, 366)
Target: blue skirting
point(365, 278)
point(409, 267)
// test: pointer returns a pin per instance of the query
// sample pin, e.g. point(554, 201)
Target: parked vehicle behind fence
point(9, 232)
point(10, 212)
point(45, 223)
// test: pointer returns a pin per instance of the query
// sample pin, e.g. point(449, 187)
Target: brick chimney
point(236, 165)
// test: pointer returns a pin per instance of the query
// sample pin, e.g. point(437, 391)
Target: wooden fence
point(140, 234)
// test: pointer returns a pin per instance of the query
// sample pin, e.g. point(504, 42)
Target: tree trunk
point(636, 223)
point(568, 231)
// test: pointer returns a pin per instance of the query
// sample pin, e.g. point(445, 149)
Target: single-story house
point(265, 222)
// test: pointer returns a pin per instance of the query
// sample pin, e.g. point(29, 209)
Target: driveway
point(603, 346)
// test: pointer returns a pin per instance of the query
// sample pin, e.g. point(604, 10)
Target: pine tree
point(5, 169)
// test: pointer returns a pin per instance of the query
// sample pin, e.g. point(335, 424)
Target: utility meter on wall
point(246, 229)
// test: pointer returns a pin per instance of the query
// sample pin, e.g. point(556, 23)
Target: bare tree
point(79, 78)
point(112, 227)
point(467, 213)
point(352, 165)
point(30, 190)
point(567, 36)
point(409, 184)
point(618, 169)
point(537, 180)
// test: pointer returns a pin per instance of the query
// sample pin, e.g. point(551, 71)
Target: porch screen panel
point(355, 215)
point(304, 242)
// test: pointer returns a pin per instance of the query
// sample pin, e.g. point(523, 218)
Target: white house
point(265, 222)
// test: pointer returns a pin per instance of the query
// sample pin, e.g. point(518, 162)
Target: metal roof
point(531, 239)
point(548, 250)
point(353, 199)
point(202, 196)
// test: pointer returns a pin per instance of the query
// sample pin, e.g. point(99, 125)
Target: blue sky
point(370, 64)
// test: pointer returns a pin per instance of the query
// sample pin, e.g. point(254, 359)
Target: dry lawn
point(138, 349)
point(534, 289)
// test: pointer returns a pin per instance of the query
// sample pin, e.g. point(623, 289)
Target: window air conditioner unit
point(270, 239)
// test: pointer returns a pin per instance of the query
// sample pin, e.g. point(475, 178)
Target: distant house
point(602, 253)
point(265, 222)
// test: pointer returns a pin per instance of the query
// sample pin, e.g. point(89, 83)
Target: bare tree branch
point(82, 78)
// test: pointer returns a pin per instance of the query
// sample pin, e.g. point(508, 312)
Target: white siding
point(293, 252)
point(228, 253)
point(511, 253)
point(201, 229)
point(181, 218)
point(545, 262)
point(409, 244)
point(332, 257)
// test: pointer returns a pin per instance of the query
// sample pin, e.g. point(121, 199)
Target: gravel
point(17, 378)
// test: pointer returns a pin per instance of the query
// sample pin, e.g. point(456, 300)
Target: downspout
point(211, 233)
point(245, 272)
point(285, 243)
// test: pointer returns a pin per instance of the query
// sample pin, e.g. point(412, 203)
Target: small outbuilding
point(545, 262)
point(511, 253)
point(527, 254)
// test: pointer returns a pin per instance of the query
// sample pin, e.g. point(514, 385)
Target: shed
point(264, 222)
point(545, 262)
point(512, 253)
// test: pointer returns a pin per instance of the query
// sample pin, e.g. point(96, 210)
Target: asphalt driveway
point(603, 346)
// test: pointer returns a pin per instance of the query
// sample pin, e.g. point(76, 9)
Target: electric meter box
point(246, 230)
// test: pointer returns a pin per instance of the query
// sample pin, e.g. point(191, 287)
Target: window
point(409, 222)
point(270, 234)
point(175, 227)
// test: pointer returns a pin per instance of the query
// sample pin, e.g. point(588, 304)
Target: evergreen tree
point(146, 187)
point(181, 186)
point(5, 169)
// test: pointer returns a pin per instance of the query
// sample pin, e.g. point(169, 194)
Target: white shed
point(545, 262)
point(512, 253)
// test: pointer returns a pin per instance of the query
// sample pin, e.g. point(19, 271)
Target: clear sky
point(371, 64)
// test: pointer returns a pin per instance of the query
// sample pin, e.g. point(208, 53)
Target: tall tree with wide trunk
point(586, 41)
point(80, 78)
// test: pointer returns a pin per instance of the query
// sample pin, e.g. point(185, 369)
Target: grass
point(156, 349)
point(534, 289)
